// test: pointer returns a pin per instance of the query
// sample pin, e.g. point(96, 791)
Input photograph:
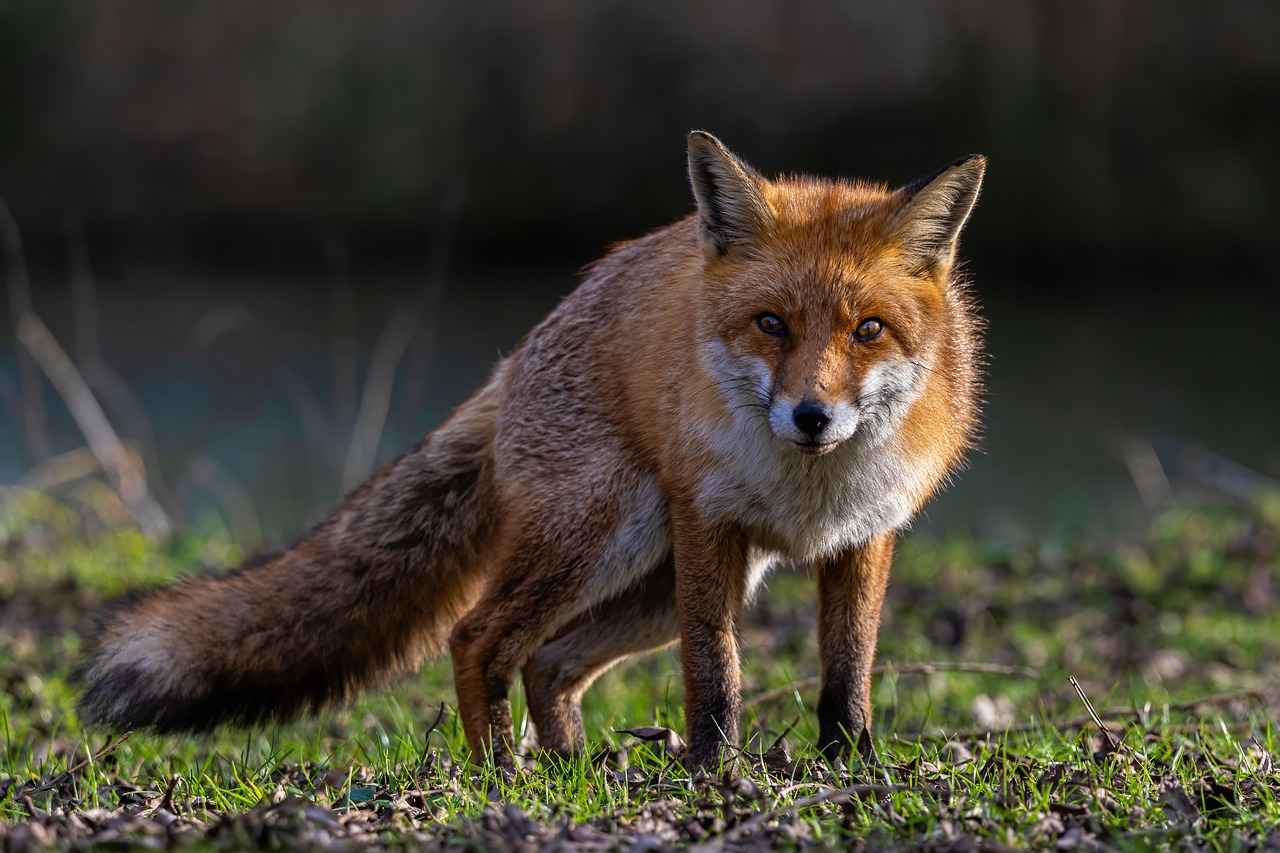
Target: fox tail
point(367, 594)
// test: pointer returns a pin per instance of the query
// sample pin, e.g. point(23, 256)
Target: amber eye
point(869, 329)
point(771, 324)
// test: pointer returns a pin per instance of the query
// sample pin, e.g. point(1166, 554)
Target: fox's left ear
point(731, 206)
point(934, 210)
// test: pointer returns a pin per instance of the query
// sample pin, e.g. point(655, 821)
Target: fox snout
point(811, 418)
point(815, 426)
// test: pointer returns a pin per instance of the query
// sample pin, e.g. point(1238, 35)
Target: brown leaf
point(1178, 803)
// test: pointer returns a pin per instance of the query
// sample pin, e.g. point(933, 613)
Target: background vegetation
point(231, 131)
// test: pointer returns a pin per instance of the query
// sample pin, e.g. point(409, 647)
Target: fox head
point(827, 303)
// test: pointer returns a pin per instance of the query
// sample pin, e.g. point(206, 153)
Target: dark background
point(263, 197)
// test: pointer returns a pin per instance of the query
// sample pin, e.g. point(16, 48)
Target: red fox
point(785, 375)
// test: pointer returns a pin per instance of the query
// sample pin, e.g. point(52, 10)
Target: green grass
point(1187, 610)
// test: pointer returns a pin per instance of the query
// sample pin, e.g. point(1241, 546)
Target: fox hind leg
point(524, 606)
point(555, 678)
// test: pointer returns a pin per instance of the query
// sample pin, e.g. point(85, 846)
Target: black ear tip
point(701, 140)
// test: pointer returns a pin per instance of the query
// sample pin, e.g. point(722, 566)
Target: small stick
point(375, 402)
point(61, 469)
point(1146, 471)
point(126, 472)
point(107, 748)
point(434, 723)
point(1126, 714)
point(831, 795)
point(390, 350)
point(1112, 741)
point(29, 805)
point(110, 386)
point(166, 804)
point(1219, 473)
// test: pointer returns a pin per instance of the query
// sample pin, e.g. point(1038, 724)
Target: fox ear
point(731, 208)
point(934, 210)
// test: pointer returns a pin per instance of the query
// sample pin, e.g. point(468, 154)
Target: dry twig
point(394, 342)
point(1113, 743)
point(375, 401)
point(123, 466)
point(90, 757)
point(1109, 714)
point(831, 795)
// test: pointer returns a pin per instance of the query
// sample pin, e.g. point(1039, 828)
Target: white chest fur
point(807, 507)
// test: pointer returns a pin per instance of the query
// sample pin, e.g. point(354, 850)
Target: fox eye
point(869, 329)
point(771, 324)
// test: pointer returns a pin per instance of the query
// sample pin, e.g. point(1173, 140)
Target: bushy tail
point(367, 594)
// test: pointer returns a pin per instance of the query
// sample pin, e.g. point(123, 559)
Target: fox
point(786, 375)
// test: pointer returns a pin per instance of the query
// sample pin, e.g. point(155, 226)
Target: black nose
point(811, 418)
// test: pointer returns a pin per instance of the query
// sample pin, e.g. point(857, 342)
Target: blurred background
point(275, 243)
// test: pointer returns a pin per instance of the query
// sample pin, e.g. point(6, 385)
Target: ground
point(981, 740)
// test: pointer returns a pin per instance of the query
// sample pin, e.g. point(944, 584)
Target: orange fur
point(709, 402)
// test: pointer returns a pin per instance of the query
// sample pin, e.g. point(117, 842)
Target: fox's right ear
point(934, 210)
point(731, 207)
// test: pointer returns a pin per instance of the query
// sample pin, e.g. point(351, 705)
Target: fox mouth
point(815, 448)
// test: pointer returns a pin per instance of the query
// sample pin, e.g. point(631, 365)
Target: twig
point(1112, 714)
point(375, 402)
point(927, 668)
point(1234, 726)
point(778, 740)
point(107, 748)
point(34, 424)
point(126, 408)
point(107, 383)
point(922, 668)
point(434, 723)
point(29, 805)
point(1145, 469)
point(166, 803)
point(125, 469)
point(1113, 743)
point(831, 795)
point(61, 469)
point(1218, 473)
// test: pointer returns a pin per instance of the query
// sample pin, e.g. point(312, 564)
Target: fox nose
point(811, 418)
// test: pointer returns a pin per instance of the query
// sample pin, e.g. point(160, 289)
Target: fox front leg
point(710, 575)
point(851, 590)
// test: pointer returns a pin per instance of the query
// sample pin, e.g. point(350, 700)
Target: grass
point(1189, 611)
